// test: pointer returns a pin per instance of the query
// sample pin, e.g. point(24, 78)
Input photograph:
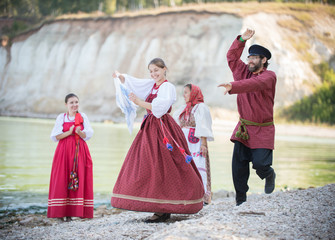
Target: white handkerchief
point(124, 103)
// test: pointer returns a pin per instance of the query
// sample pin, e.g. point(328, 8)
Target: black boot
point(240, 198)
point(270, 183)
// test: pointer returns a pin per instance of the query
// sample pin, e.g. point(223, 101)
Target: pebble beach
point(293, 214)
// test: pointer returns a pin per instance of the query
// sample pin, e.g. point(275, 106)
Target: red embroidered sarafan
point(62, 201)
point(155, 179)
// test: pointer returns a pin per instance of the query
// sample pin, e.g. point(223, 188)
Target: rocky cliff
point(79, 56)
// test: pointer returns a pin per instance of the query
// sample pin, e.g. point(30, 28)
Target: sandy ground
point(296, 214)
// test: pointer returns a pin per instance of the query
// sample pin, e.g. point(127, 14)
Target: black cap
point(256, 50)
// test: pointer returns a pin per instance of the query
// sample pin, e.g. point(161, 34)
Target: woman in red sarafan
point(158, 174)
point(71, 181)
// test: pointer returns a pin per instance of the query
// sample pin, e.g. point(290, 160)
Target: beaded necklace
point(67, 115)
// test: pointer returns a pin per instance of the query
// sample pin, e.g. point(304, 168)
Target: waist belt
point(242, 129)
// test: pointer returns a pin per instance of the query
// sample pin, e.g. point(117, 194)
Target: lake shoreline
point(220, 123)
point(295, 214)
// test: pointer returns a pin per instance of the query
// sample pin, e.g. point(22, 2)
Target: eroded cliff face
point(80, 55)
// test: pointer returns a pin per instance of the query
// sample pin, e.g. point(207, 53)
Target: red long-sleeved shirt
point(255, 98)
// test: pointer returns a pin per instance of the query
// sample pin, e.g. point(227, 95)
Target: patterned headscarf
point(195, 98)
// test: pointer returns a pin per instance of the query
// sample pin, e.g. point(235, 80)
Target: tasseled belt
point(242, 129)
point(188, 158)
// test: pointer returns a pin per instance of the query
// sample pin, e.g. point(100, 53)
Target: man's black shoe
point(270, 183)
point(240, 198)
point(239, 203)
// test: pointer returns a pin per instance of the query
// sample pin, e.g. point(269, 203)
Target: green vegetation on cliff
point(319, 107)
point(21, 15)
point(43, 8)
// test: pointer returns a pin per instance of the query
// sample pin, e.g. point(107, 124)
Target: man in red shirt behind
point(254, 134)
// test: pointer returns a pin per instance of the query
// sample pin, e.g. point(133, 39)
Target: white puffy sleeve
point(140, 87)
point(58, 128)
point(87, 127)
point(166, 96)
point(177, 113)
point(203, 121)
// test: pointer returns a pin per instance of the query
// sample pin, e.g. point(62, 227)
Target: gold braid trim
point(153, 200)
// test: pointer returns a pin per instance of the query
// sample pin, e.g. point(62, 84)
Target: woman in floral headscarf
point(195, 120)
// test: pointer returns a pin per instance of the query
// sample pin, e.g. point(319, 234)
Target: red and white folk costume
point(152, 178)
point(63, 202)
point(195, 120)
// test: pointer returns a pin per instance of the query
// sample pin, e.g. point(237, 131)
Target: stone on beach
point(295, 214)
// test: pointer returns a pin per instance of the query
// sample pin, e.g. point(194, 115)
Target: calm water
point(26, 153)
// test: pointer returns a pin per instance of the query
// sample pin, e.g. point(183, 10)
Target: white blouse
point(58, 128)
point(203, 120)
point(166, 94)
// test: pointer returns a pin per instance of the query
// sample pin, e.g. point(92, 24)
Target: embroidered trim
point(191, 136)
point(60, 205)
point(56, 202)
point(153, 200)
point(156, 87)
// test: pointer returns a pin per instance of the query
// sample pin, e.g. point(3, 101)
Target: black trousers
point(261, 159)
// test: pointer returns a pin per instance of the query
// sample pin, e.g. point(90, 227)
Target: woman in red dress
point(71, 181)
point(158, 174)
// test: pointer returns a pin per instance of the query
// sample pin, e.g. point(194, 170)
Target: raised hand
point(116, 74)
point(248, 34)
point(228, 87)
